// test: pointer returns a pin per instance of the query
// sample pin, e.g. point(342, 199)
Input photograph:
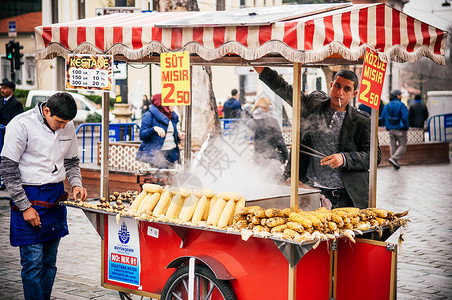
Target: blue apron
point(53, 220)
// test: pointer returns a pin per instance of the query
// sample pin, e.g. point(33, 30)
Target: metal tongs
point(312, 152)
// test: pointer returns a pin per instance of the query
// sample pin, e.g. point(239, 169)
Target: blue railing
point(117, 132)
point(440, 128)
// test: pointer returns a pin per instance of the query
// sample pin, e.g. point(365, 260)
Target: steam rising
point(226, 163)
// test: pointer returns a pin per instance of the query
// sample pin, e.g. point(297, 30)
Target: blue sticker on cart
point(123, 251)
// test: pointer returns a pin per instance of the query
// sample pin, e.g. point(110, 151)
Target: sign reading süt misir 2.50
point(89, 72)
point(175, 78)
point(372, 79)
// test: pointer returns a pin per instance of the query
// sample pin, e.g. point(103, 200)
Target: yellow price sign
point(175, 68)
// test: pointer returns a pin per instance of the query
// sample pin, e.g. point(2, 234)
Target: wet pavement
point(424, 261)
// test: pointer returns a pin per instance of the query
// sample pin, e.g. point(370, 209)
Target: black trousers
point(338, 198)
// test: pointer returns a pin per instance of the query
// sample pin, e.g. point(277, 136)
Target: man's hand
point(160, 131)
point(181, 135)
point(31, 216)
point(79, 193)
point(334, 160)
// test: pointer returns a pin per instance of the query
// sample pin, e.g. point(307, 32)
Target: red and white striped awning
point(307, 38)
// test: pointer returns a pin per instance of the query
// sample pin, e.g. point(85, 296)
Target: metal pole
point(292, 295)
point(373, 158)
point(105, 145)
point(187, 142)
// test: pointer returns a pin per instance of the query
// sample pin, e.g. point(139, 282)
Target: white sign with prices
point(89, 72)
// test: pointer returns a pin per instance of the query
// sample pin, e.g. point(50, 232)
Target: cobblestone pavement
point(424, 261)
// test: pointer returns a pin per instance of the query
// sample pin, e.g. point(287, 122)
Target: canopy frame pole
point(104, 192)
point(373, 158)
point(187, 121)
point(295, 157)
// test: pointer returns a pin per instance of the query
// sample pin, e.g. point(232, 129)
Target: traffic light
point(10, 51)
point(18, 56)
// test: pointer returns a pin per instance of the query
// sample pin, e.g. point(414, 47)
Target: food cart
point(202, 262)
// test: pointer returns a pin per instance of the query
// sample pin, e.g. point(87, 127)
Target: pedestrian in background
point(417, 113)
point(248, 109)
point(232, 108)
point(220, 110)
point(9, 105)
point(145, 105)
point(270, 150)
point(40, 151)
point(395, 116)
point(159, 135)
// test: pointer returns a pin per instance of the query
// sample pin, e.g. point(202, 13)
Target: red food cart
point(155, 258)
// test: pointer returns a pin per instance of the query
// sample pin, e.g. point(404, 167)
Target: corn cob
point(152, 188)
point(303, 220)
point(201, 207)
point(295, 226)
point(337, 219)
point(381, 213)
point(136, 203)
point(176, 203)
point(215, 214)
point(179, 190)
point(212, 204)
point(241, 224)
point(227, 213)
point(249, 209)
point(274, 212)
point(254, 220)
point(206, 210)
point(315, 221)
point(332, 226)
point(260, 213)
point(228, 196)
point(278, 228)
point(353, 211)
point(258, 228)
point(286, 212)
point(188, 209)
point(162, 205)
point(140, 209)
point(238, 217)
point(239, 205)
point(291, 233)
point(151, 203)
point(276, 221)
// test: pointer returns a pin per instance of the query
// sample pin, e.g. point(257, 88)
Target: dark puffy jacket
point(232, 109)
point(354, 140)
point(151, 141)
point(417, 114)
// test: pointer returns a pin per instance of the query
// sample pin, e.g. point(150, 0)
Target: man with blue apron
point(40, 150)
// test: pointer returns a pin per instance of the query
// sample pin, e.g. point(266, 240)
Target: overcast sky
point(431, 12)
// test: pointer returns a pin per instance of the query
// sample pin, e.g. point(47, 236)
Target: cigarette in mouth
point(340, 102)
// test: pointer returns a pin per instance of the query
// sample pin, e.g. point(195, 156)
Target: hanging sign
point(175, 78)
point(372, 79)
point(89, 72)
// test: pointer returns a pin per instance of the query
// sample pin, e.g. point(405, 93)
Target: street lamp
point(445, 4)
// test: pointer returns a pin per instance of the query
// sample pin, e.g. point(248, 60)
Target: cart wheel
point(207, 286)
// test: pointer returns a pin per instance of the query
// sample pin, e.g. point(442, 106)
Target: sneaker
point(394, 163)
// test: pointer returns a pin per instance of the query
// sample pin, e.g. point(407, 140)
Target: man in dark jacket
point(331, 126)
point(9, 105)
point(232, 109)
point(395, 115)
point(417, 113)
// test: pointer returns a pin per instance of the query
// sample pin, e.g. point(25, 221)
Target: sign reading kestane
point(89, 72)
point(175, 68)
point(372, 79)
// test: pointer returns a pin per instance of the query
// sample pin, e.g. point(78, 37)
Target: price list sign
point(372, 79)
point(89, 72)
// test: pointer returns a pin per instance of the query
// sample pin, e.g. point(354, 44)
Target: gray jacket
point(354, 137)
